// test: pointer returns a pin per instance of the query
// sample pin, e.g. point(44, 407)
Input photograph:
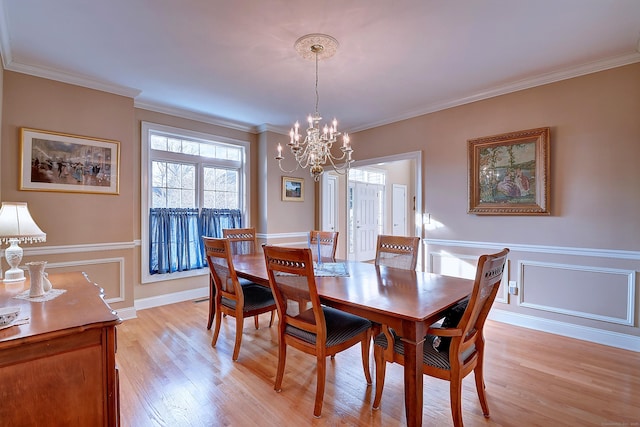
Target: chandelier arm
point(287, 171)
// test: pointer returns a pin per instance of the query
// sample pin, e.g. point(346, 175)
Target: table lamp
point(16, 225)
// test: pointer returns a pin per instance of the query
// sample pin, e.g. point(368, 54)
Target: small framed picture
point(292, 189)
point(54, 161)
point(509, 173)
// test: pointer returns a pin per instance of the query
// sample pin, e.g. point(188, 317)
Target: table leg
point(413, 346)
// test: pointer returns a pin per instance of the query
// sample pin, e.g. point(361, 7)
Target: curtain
point(174, 240)
point(175, 236)
point(212, 221)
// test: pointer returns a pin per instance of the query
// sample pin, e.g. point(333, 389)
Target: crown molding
point(192, 115)
point(516, 86)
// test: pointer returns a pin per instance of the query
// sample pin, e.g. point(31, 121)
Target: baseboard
point(599, 336)
point(191, 294)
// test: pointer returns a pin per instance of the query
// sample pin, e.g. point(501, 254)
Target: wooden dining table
point(408, 301)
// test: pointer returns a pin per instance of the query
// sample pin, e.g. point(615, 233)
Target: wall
point(283, 222)
point(567, 265)
point(92, 232)
point(576, 269)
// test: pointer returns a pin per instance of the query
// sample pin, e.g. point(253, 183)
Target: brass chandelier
point(314, 152)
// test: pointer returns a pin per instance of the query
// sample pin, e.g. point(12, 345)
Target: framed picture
point(54, 161)
point(509, 173)
point(292, 189)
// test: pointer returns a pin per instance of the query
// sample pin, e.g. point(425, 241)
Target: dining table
point(405, 300)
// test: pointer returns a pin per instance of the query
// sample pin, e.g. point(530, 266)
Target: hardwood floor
point(171, 376)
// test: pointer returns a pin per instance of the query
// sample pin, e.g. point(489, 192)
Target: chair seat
point(246, 282)
point(255, 298)
point(430, 356)
point(341, 326)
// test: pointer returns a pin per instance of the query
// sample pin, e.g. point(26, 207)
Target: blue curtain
point(175, 242)
point(212, 221)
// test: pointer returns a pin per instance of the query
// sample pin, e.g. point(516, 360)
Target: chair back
point(488, 277)
point(220, 263)
point(324, 243)
point(242, 240)
point(397, 251)
point(292, 280)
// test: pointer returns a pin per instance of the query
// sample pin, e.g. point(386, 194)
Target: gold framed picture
point(509, 173)
point(292, 189)
point(53, 161)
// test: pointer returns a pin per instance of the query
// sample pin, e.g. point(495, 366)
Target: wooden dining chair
point(397, 251)
point(231, 298)
point(451, 352)
point(242, 240)
point(321, 331)
point(323, 243)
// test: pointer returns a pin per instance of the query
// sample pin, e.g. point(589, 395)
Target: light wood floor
point(171, 376)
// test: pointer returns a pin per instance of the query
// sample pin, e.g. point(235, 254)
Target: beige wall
point(95, 231)
point(595, 195)
point(565, 264)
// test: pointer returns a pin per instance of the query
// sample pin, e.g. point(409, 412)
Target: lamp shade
point(16, 223)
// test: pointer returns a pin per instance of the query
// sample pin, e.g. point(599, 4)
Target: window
point(186, 176)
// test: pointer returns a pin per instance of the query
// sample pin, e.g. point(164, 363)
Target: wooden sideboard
point(60, 368)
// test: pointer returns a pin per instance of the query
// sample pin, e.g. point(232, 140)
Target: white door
point(329, 204)
point(366, 207)
point(399, 210)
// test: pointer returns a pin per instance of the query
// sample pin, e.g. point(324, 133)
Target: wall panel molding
point(559, 250)
point(465, 270)
point(118, 260)
point(581, 271)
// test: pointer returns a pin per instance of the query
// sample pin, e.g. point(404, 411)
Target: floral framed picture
point(509, 173)
point(53, 161)
point(292, 189)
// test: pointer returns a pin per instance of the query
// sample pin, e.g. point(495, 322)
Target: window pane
point(174, 145)
point(159, 198)
point(173, 198)
point(190, 147)
point(159, 174)
point(174, 175)
point(158, 142)
point(208, 150)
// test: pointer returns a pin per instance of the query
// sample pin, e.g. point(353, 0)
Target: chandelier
point(315, 151)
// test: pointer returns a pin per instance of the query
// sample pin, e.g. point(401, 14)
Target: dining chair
point(242, 240)
point(231, 298)
point(321, 331)
point(397, 251)
point(451, 352)
point(323, 243)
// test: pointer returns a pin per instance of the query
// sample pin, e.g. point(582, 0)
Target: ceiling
point(233, 62)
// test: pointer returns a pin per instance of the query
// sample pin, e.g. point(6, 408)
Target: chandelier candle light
point(315, 151)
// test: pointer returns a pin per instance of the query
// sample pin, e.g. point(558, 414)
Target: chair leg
point(212, 302)
point(256, 322)
point(366, 345)
point(477, 372)
point(216, 329)
point(381, 366)
point(236, 347)
point(273, 315)
point(455, 393)
point(282, 358)
point(322, 373)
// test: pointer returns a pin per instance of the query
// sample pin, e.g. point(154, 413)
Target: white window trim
point(145, 195)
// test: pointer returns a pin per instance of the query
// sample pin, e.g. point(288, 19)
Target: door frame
point(416, 156)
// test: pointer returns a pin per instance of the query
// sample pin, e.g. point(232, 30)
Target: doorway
point(403, 170)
